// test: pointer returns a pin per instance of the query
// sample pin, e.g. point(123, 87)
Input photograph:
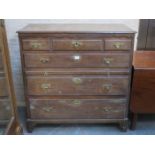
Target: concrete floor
point(145, 126)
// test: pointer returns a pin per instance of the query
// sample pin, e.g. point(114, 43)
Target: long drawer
point(5, 109)
point(68, 60)
point(77, 85)
point(77, 108)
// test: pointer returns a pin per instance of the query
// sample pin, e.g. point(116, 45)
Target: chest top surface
point(144, 60)
point(76, 28)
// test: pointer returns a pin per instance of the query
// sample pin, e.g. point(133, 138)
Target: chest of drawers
point(76, 73)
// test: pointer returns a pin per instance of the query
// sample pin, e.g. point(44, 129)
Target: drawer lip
point(113, 99)
point(77, 71)
point(58, 108)
point(86, 60)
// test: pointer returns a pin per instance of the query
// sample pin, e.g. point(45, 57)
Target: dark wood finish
point(6, 85)
point(77, 60)
point(77, 108)
point(77, 85)
point(36, 44)
point(118, 44)
point(88, 64)
point(150, 35)
point(77, 45)
point(144, 60)
point(146, 34)
point(142, 34)
point(143, 96)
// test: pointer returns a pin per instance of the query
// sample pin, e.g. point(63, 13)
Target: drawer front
point(118, 44)
point(5, 109)
point(77, 108)
point(77, 45)
point(77, 85)
point(3, 87)
point(69, 60)
point(36, 44)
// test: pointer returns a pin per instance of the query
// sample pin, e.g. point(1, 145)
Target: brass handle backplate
point(107, 87)
point(47, 109)
point(76, 102)
point(108, 60)
point(76, 44)
point(77, 80)
point(46, 86)
point(110, 109)
point(107, 109)
point(44, 60)
point(118, 45)
point(35, 45)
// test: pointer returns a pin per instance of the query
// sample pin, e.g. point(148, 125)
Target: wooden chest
point(76, 73)
point(143, 87)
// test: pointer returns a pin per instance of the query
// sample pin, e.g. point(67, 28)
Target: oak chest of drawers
point(76, 73)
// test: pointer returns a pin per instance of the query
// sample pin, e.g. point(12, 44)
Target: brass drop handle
point(35, 45)
point(108, 60)
point(46, 86)
point(110, 109)
point(76, 102)
point(45, 73)
point(107, 87)
point(77, 80)
point(107, 109)
point(44, 60)
point(47, 109)
point(76, 44)
point(118, 45)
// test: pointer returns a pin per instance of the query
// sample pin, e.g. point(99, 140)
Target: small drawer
point(77, 85)
point(3, 87)
point(35, 44)
point(77, 60)
point(5, 109)
point(118, 44)
point(77, 45)
point(77, 108)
